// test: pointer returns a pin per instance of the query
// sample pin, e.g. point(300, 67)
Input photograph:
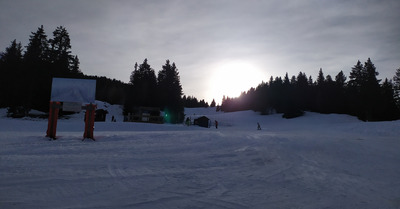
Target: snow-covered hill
point(315, 161)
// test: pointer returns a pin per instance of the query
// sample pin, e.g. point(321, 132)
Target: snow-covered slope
point(315, 161)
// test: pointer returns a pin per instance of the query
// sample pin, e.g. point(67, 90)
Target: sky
point(220, 47)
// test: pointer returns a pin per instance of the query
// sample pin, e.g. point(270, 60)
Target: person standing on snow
point(216, 124)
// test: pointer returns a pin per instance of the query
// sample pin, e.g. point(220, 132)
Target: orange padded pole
point(89, 121)
point(53, 116)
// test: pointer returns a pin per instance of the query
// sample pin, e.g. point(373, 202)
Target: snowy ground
point(315, 161)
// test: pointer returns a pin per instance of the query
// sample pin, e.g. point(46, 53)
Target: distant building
point(145, 115)
point(100, 115)
point(202, 121)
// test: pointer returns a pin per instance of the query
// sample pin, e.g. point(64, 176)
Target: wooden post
point(53, 116)
point(89, 121)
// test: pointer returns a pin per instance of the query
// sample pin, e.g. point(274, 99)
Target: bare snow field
point(315, 161)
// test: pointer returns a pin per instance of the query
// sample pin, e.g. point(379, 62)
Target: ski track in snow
point(315, 161)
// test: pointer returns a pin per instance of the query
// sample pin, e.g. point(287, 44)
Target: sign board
point(73, 90)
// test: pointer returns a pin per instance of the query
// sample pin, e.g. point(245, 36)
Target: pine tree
point(36, 69)
point(75, 66)
point(387, 110)
point(396, 87)
point(364, 91)
point(353, 97)
point(340, 101)
point(302, 80)
point(144, 84)
point(293, 80)
point(170, 92)
point(370, 91)
point(329, 79)
point(11, 75)
point(321, 100)
point(37, 51)
point(130, 94)
point(60, 54)
point(321, 78)
point(356, 75)
point(135, 71)
point(302, 95)
point(340, 79)
point(286, 80)
point(369, 75)
point(310, 81)
point(212, 103)
point(12, 55)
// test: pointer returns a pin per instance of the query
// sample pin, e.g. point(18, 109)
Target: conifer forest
point(26, 74)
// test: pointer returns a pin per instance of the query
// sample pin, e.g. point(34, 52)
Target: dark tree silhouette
point(60, 54)
point(362, 96)
point(213, 103)
point(37, 50)
point(321, 78)
point(37, 68)
point(357, 75)
point(144, 83)
point(11, 76)
point(170, 92)
point(75, 70)
point(25, 79)
point(339, 97)
point(370, 92)
point(340, 79)
point(191, 101)
point(388, 110)
point(396, 87)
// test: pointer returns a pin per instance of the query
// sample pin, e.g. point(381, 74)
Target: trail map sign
point(72, 93)
point(73, 90)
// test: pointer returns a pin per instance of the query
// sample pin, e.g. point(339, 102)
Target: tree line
point(26, 76)
point(363, 95)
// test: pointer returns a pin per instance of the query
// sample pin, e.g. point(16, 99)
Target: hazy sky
point(219, 47)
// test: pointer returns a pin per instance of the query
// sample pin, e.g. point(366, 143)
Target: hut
point(100, 115)
point(202, 121)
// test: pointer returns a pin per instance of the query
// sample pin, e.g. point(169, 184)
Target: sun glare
point(232, 78)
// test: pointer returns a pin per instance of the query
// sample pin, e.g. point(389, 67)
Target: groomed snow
point(315, 161)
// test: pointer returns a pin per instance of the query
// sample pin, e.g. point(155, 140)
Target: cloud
point(278, 37)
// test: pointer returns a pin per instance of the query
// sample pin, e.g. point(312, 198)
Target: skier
point(216, 124)
point(258, 126)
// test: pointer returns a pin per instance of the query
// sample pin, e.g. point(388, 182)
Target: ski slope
point(315, 161)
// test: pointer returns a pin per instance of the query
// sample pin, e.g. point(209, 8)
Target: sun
point(232, 78)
